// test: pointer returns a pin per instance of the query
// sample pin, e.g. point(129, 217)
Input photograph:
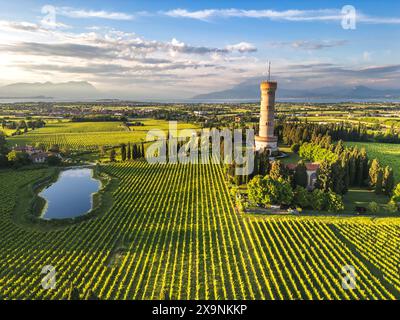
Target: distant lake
point(228, 101)
point(71, 195)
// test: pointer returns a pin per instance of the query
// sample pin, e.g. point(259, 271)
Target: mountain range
point(250, 90)
point(63, 90)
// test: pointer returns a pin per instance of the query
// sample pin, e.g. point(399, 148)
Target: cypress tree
point(374, 171)
point(277, 170)
point(129, 152)
point(346, 175)
point(379, 182)
point(359, 178)
point(339, 147)
point(261, 166)
point(352, 171)
point(388, 181)
point(338, 178)
point(123, 151)
point(300, 175)
point(364, 159)
point(324, 177)
point(112, 155)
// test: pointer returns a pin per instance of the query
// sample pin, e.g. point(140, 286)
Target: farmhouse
point(36, 155)
point(27, 149)
point(39, 157)
point(312, 168)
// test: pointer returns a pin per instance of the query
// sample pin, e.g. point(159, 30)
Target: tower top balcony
point(268, 85)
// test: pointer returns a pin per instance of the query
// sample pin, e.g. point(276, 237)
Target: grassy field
point(388, 154)
point(91, 135)
point(172, 233)
point(362, 198)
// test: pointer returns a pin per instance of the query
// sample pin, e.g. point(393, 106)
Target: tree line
point(292, 133)
point(22, 125)
point(3, 151)
point(268, 190)
point(344, 167)
point(100, 118)
point(128, 152)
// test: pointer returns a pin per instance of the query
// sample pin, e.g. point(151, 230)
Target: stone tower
point(266, 139)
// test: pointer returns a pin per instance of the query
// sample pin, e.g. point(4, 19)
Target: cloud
point(181, 47)
point(310, 45)
point(82, 13)
point(131, 49)
point(334, 70)
point(61, 50)
point(327, 15)
point(242, 47)
point(30, 27)
point(290, 15)
point(115, 70)
point(21, 26)
point(377, 20)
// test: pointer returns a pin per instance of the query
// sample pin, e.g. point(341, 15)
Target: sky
point(178, 49)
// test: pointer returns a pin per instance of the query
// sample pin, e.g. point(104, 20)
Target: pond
point(71, 195)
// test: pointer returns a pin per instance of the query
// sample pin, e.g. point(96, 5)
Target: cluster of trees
point(343, 167)
point(166, 114)
point(276, 169)
point(16, 159)
point(3, 151)
point(381, 178)
point(99, 118)
point(299, 132)
point(268, 190)
point(128, 152)
point(134, 124)
point(340, 167)
point(22, 126)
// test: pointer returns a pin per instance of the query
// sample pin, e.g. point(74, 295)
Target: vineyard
point(173, 233)
point(91, 135)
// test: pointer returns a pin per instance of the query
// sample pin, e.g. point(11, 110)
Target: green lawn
point(362, 197)
point(292, 157)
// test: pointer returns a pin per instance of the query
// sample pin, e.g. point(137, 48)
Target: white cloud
point(291, 15)
point(118, 60)
point(242, 47)
point(285, 15)
point(310, 44)
point(82, 13)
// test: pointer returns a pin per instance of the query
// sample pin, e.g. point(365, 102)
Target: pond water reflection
point(71, 195)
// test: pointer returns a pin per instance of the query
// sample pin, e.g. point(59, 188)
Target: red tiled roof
point(39, 155)
point(311, 166)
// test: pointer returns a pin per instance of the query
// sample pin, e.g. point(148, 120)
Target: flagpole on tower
point(269, 70)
